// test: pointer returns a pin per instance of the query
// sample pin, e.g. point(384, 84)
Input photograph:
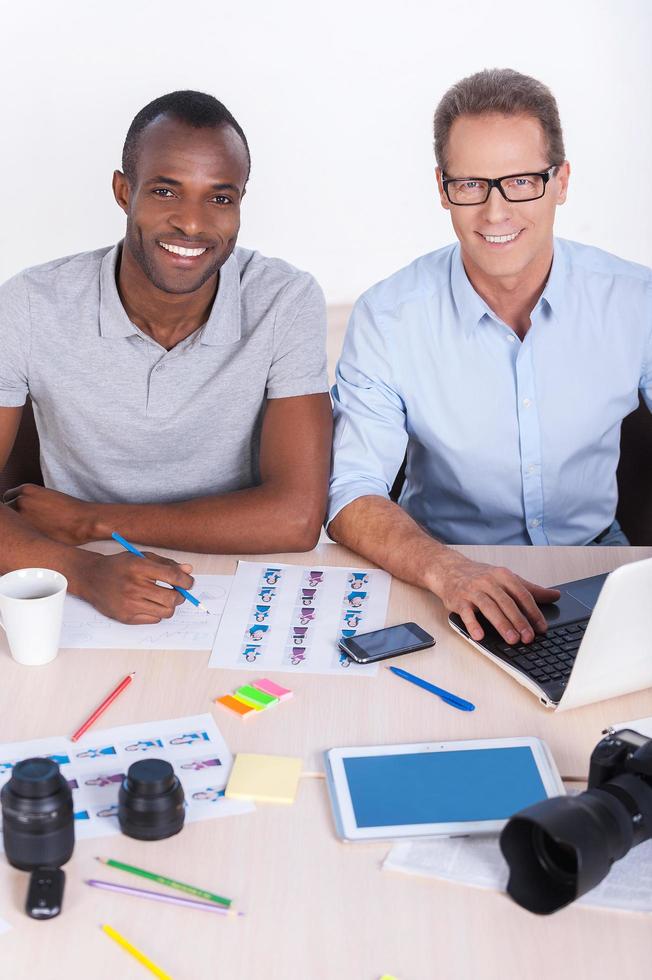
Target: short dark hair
point(193, 108)
point(504, 91)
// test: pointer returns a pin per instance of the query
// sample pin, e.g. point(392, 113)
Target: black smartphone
point(45, 893)
point(366, 648)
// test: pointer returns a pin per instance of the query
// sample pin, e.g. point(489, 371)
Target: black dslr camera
point(561, 848)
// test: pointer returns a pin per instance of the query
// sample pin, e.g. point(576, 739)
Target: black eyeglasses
point(467, 191)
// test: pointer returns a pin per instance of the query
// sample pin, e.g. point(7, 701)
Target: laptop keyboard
point(549, 658)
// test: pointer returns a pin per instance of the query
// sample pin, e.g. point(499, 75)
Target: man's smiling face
point(183, 203)
point(495, 146)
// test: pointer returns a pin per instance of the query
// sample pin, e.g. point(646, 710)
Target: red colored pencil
point(102, 708)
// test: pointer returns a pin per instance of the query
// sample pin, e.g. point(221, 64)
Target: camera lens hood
point(561, 848)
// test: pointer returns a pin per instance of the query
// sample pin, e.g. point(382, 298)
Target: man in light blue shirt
point(502, 365)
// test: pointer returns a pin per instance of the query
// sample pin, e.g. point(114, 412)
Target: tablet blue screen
point(442, 787)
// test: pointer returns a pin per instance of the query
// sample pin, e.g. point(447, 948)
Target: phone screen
point(387, 642)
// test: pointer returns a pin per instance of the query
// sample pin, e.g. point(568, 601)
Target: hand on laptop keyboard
point(508, 601)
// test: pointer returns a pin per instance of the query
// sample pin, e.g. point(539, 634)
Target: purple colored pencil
point(110, 886)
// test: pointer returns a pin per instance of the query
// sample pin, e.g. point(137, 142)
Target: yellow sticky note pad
point(266, 778)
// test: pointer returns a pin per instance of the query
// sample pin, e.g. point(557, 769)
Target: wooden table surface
point(317, 909)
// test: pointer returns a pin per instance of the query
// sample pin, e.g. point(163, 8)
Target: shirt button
point(535, 522)
point(526, 403)
point(531, 468)
point(511, 338)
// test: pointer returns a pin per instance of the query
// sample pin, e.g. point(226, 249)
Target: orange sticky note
point(239, 707)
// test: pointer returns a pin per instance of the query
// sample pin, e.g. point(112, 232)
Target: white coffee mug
point(31, 612)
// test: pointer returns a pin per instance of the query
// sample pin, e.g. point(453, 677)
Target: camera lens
point(563, 847)
point(151, 801)
point(560, 848)
point(37, 816)
point(557, 858)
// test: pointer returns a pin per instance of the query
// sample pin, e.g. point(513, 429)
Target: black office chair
point(23, 465)
point(634, 477)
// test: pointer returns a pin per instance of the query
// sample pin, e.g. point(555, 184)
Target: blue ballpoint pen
point(184, 592)
point(446, 696)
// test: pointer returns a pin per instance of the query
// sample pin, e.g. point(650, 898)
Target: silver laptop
point(598, 644)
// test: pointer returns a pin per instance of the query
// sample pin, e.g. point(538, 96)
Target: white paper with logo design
point(290, 617)
point(95, 766)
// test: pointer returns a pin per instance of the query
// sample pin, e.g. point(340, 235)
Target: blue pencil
point(446, 696)
point(184, 592)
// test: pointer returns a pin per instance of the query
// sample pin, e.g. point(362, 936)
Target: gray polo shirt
point(120, 419)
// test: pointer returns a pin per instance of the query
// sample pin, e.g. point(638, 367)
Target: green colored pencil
point(170, 882)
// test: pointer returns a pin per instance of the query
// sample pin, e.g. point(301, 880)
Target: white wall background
point(336, 100)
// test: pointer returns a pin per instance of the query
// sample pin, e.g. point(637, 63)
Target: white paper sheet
point(290, 617)
point(472, 860)
point(96, 764)
point(478, 861)
point(642, 725)
point(189, 629)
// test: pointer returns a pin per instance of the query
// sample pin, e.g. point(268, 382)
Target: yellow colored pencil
point(136, 953)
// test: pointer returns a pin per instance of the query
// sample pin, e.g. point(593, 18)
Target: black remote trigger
point(45, 893)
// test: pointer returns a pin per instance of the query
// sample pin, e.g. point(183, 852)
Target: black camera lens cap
point(35, 778)
point(150, 777)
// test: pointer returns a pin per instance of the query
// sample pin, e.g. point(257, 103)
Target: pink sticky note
point(269, 687)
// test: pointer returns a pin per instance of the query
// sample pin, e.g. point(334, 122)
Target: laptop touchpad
point(565, 610)
point(576, 602)
point(585, 590)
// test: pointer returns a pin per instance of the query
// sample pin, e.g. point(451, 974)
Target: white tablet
point(437, 788)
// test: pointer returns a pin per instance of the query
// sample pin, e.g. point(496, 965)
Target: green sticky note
point(255, 697)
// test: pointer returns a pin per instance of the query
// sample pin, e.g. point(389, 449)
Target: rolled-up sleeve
point(15, 338)
point(370, 423)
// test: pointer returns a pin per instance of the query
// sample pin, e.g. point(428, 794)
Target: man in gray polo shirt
point(178, 383)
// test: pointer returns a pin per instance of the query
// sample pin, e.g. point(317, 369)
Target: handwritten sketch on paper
point(96, 765)
point(189, 629)
point(290, 617)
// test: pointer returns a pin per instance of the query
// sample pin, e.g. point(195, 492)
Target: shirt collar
point(555, 287)
point(472, 307)
point(224, 324)
point(114, 321)
point(222, 327)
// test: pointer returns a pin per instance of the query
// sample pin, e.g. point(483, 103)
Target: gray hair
point(504, 91)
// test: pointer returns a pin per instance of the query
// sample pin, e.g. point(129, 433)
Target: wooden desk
point(316, 909)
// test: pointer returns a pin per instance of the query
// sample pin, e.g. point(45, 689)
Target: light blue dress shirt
point(508, 442)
